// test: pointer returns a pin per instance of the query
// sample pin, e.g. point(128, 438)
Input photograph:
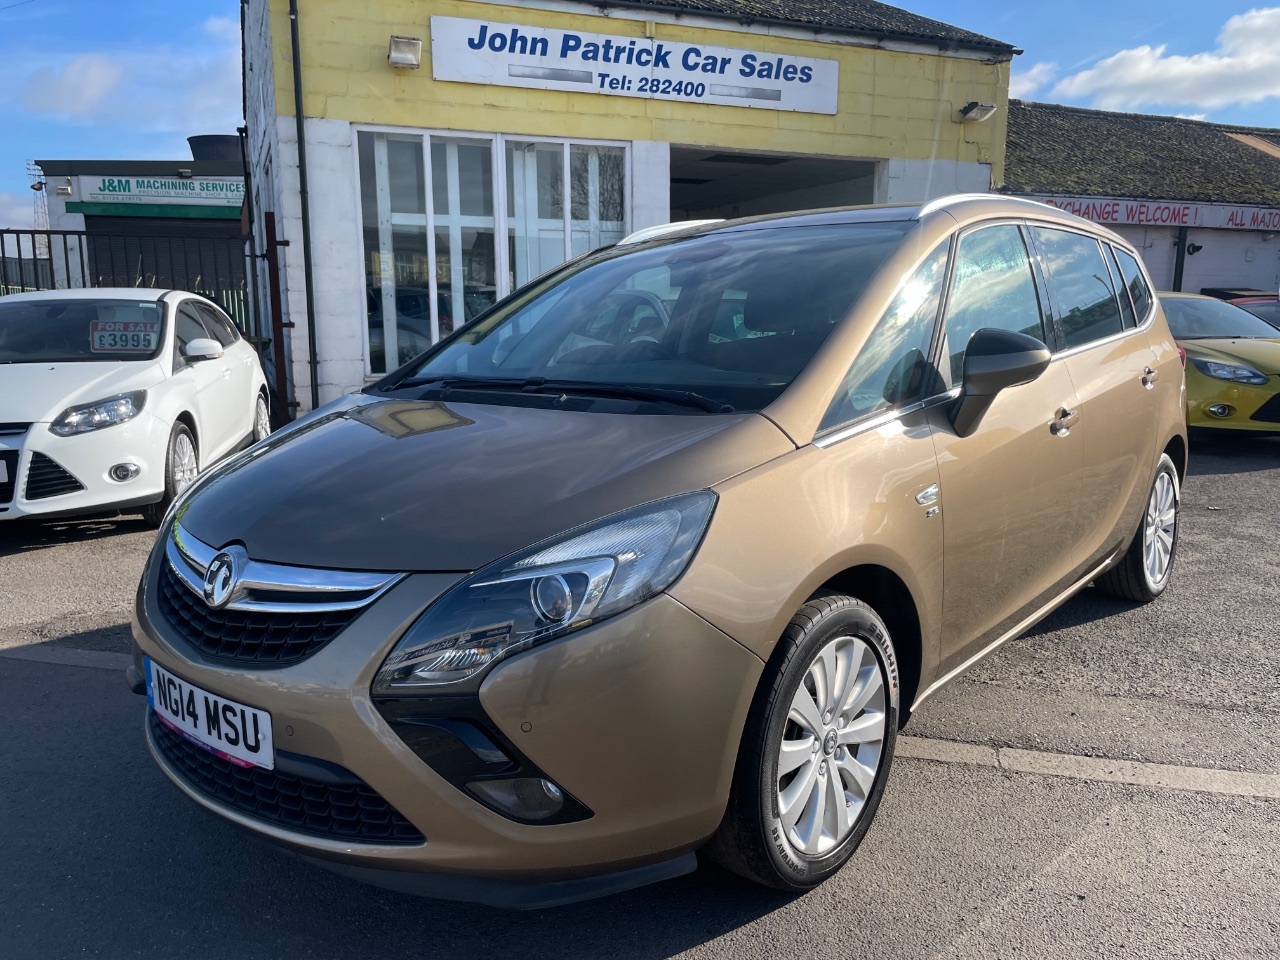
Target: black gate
point(208, 263)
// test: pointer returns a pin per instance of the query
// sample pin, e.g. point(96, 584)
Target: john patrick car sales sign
point(478, 51)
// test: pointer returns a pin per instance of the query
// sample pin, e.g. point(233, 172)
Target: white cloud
point(73, 89)
point(1244, 68)
point(1192, 116)
point(1025, 83)
point(16, 211)
point(192, 88)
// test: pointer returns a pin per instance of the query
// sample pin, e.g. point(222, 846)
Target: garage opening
point(720, 183)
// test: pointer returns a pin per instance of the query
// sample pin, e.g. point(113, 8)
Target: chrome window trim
point(878, 420)
point(189, 558)
point(1114, 338)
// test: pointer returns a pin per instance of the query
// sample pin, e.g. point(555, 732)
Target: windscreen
point(1191, 318)
point(62, 331)
point(731, 316)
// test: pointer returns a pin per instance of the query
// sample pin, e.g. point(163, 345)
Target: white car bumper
point(80, 481)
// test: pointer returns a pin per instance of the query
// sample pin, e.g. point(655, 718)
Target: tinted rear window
point(1139, 292)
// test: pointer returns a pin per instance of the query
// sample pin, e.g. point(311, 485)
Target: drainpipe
point(306, 206)
point(1180, 259)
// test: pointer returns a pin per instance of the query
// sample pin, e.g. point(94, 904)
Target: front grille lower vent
point(47, 478)
point(9, 475)
point(339, 807)
point(1269, 412)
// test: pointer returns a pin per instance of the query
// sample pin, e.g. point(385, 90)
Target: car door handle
point(1064, 421)
point(1149, 377)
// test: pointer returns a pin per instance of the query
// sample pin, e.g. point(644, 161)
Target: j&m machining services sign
point(197, 191)
point(504, 54)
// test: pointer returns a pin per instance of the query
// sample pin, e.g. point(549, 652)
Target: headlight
point(554, 588)
point(1236, 372)
point(99, 414)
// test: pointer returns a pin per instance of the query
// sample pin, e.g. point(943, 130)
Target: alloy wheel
point(185, 466)
point(1160, 528)
point(261, 420)
point(831, 746)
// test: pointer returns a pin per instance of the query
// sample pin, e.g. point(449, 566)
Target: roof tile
point(862, 17)
point(1071, 151)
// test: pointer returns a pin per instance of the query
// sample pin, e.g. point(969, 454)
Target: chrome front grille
point(271, 615)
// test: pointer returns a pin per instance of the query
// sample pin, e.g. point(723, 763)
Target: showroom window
point(429, 268)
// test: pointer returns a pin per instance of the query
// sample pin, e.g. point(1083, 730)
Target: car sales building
point(531, 132)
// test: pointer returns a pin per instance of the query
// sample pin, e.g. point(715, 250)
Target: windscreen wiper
point(496, 383)
point(685, 398)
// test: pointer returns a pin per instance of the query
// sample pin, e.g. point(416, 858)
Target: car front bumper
point(87, 458)
point(638, 718)
point(1253, 408)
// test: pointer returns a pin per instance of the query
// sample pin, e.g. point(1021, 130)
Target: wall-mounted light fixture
point(975, 112)
point(405, 53)
point(184, 173)
point(63, 189)
point(1194, 248)
point(38, 186)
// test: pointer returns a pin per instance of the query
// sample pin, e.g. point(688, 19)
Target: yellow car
point(1233, 363)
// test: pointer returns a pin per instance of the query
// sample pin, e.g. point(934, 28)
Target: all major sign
point(511, 55)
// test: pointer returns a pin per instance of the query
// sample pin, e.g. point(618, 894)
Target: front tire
point(261, 419)
point(182, 463)
point(1144, 572)
point(816, 751)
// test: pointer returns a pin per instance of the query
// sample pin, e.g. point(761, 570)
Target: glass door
point(397, 272)
point(433, 206)
point(466, 269)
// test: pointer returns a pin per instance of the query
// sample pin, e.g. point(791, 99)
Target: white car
point(113, 398)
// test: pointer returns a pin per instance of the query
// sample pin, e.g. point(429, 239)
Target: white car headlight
point(1236, 372)
point(554, 588)
point(99, 414)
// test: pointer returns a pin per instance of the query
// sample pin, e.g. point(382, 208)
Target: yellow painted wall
point(891, 104)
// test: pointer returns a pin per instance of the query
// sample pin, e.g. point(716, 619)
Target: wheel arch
point(889, 596)
point(189, 421)
point(1176, 448)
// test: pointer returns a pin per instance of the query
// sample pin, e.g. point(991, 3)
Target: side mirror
point(202, 349)
point(995, 360)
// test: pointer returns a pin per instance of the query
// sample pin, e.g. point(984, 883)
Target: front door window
point(430, 268)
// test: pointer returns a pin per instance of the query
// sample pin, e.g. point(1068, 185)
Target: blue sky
point(133, 78)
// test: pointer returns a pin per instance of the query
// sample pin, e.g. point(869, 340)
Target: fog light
point(527, 798)
point(1220, 410)
point(123, 472)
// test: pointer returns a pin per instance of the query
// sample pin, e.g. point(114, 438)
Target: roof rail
point(663, 229)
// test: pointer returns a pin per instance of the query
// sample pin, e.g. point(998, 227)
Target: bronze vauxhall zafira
point(655, 557)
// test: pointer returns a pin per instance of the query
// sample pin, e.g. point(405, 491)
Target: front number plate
point(231, 730)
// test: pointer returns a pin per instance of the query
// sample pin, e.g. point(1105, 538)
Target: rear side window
point(893, 366)
point(1126, 303)
point(993, 287)
point(1081, 285)
point(1139, 292)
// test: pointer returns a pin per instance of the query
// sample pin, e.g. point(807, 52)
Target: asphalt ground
point(1108, 785)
